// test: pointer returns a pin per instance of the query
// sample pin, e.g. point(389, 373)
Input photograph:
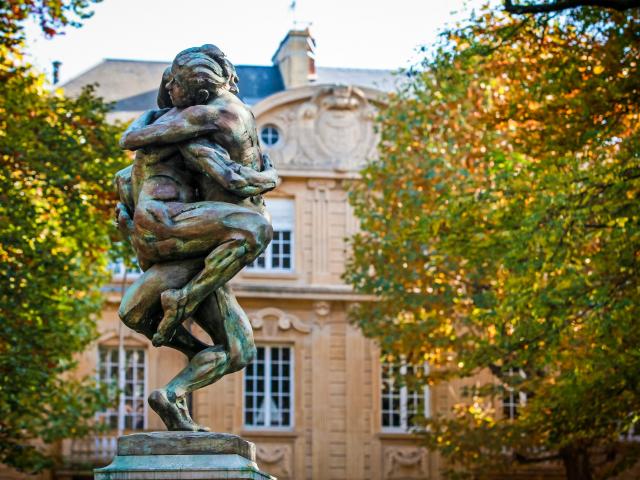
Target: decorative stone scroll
point(283, 320)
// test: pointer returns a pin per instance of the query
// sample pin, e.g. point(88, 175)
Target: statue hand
point(267, 164)
point(123, 219)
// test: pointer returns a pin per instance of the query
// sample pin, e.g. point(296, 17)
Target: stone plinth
point(183, 456)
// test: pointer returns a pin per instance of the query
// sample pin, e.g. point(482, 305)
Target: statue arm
point(142, 121)
point(124, 187)
point(211, 159)
point(190, 123)
point(126, 205)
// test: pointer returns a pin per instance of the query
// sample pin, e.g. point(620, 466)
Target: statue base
point(182, 456)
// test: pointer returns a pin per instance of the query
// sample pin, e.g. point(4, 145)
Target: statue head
point(200, 73)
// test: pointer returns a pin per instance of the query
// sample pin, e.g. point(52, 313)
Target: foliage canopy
point(57, 159)
point(501, 233)
point(52, 17)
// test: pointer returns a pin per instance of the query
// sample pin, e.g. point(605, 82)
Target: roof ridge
point(135, 60)
point(111, 59)
point(358, 68)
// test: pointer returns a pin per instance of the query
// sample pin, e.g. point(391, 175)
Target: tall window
point(279, 254)
point(127, 385)
point(512, 399)
point(268, 389)
point(400, 404)
point(633, 433)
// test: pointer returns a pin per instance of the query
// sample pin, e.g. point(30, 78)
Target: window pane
point(400, 403)
point(131, 392)
point(254, 390)
point(268, 388)
point(269, 135)
point(513, 400)
point(279, 253)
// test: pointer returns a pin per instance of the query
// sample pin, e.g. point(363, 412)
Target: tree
point(52, 17)
point(58, 157)
point(500, 233)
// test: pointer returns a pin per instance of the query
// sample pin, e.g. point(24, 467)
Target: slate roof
point(258, 82)
point(383, 80)
point(133, 84)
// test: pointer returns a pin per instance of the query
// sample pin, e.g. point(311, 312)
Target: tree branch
point(560, 5)
point(527, 460)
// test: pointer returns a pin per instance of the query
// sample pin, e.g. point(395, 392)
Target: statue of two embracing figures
point(191, 205)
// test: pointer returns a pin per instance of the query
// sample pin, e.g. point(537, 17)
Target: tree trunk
point(576, 463)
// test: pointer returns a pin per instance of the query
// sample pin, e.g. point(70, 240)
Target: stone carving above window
point(279, 319)
point(405, 463)
point(332, 129)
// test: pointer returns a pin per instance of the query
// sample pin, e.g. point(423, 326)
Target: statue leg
point(221, 315)
point(244, 235)
point(141, 310)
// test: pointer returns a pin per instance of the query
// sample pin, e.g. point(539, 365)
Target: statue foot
point(173, 306)
point(173, 411)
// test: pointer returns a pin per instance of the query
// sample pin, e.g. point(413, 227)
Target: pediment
point(322, 127)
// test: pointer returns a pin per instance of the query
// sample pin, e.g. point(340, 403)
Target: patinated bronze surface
point(192, 208)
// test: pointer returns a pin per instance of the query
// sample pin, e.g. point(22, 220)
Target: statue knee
point(248, 355)
point(127, 316)
point(259, 235)
point(210, 360)
point(242, 358)
point(132, 319)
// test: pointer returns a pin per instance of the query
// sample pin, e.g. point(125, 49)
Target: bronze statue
point(192, 208)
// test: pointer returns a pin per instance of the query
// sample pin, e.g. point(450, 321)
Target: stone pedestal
point(183, 456)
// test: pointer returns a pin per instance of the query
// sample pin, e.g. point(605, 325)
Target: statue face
point(180, 96)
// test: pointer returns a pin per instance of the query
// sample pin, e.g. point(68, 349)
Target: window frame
point(268, 257)
point(274, 128)
point(120, 411)
point(267, 392)
point(425, 396)
point(632, 434)
point(281, 224)
point(512, 394)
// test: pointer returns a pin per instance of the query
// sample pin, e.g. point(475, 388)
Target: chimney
point(56, 71)
point(295, 58)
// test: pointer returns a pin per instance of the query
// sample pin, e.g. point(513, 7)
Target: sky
point(349, 33)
